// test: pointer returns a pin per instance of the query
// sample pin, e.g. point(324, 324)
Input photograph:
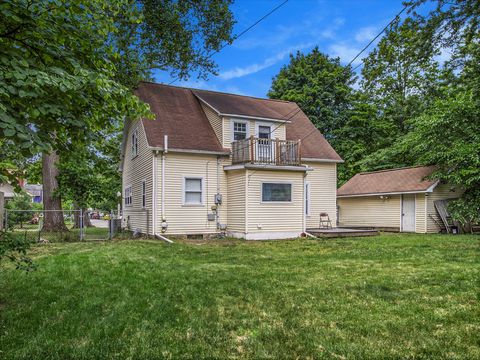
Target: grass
point(393, 296)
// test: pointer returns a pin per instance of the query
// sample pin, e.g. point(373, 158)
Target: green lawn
point(393, 296)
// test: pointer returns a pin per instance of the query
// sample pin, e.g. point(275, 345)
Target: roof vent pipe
point(165, 143)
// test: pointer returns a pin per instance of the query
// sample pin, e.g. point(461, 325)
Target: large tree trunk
point(53, 220)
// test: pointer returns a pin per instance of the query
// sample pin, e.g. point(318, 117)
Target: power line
point(241, 33)
point(348, 68)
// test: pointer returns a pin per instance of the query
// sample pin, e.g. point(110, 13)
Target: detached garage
point(393, 200)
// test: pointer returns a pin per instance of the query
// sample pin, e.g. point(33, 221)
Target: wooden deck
point(341, 232)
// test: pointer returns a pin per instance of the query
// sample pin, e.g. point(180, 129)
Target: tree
point(68, 67)
point(21, 201)
point(321, 86)
point(445, 130)
point(400, 77)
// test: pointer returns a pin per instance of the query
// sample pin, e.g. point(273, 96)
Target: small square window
point(239, 130)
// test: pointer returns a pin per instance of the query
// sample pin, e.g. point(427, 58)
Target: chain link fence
point(64, 225)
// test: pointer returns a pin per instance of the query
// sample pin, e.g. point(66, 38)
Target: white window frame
point(271, 125)
point(144, 194)
point(134, 144)
point(232, 128)
point(307, 198)
point(184, 190)
point(128, 199)
point(276, 182)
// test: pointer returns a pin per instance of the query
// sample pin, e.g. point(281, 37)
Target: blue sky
point(338, 27)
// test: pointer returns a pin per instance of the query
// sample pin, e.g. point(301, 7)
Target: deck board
point(341, 232)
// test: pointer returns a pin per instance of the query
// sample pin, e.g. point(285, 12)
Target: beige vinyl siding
point(370, 211)
point(323, 192)
point(134, 172)
point(236, 181)
point(215, 121)
point(420, 212)
point(279, 130)
point(441, 192)
point(274, 217)
point(184, 219)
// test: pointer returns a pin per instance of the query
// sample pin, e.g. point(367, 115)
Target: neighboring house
point(34, 190)
point(213, 161)
point(395, 200)
point(8, 191)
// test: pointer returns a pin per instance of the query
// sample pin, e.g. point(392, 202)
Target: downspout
point(165, 151)
point(218, 192)
point(154, 192)
point(304, 220)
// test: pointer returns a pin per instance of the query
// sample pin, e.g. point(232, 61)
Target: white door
point(265, 152)
point(408, 212)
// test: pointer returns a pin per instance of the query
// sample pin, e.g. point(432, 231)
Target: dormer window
point(239, 130)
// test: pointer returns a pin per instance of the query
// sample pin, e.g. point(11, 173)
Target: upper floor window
point(134, 143)
point(239, 130)
point(128, 195)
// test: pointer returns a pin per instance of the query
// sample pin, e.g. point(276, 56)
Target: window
point(144, 194)
point(239, 130)
point(307, 198)
point(264, 132)
point(276, 192)
point(128, 195)
point(134, 143)
point(193, 191)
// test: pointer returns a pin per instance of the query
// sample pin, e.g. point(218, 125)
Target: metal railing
point(266, 151)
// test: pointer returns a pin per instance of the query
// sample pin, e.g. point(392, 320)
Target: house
point(214, 162)
point(35, 191)
point(394, 200)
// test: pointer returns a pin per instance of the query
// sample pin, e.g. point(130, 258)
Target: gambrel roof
point(179, 115)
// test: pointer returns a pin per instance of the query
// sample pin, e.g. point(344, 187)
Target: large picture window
point(193, 191)
point(281, 192)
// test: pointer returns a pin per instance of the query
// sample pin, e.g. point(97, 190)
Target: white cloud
point(366, 34)
point(345, 53)
point(254, 68)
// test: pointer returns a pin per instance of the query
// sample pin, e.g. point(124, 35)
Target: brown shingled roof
point(178, 115)
point(389, 181)
point(178, 111)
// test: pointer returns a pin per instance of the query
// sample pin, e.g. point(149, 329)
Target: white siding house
point(394, 200)
point(214, 163)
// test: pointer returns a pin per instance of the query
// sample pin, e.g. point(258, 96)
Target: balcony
point(266, 151)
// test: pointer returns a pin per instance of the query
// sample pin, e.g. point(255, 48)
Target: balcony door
point(265, 145)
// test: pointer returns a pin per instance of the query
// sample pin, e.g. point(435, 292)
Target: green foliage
point(320, 86)
point(21, 201)
point(13, 248)
point(56, 78)
point(174, 36)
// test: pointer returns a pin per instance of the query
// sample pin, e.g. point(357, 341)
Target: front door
point(408, 212)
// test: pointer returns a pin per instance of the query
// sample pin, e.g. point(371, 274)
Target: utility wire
point(347, 68)
point(241, 33)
